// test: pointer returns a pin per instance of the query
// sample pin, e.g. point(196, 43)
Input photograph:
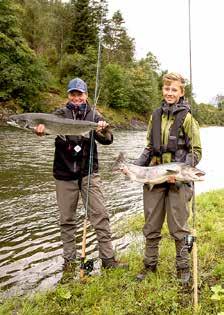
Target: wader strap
point(156, 131)
point(173, 136)
point(171, 146)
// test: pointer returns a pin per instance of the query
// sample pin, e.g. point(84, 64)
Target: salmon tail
point(199, 172)
point(118, 163)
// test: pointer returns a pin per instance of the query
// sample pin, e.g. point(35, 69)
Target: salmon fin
point(172, 172)
point(119, 161)
point(85, 134)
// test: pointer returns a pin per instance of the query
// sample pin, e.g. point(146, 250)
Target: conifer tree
point(118, 46)
point(84, 28)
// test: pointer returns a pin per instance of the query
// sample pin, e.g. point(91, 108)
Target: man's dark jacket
point(72, 153)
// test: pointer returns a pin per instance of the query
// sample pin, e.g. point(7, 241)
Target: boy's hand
point(125, 170)
point(40, 129)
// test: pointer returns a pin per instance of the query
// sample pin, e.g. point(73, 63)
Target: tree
point(22, 75)
point(115, 86)
point(60, 32)
point(84, 27)
point(118, 46)
point(148, 89)
point(82, 65)
point(35, 23)
point(220, 102)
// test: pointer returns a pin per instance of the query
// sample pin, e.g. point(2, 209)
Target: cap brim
point(70, 90)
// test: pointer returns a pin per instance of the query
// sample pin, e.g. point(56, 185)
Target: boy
point(172, 131)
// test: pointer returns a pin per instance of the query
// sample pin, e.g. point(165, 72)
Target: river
point(30, 246)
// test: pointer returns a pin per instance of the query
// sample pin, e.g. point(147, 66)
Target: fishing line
point(191, 106)
point(94, 111)
point(193, 207)
point(85, 264)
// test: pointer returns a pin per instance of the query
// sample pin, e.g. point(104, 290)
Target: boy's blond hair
point(173, 76)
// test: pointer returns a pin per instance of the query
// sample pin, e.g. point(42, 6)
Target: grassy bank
point(117, 292)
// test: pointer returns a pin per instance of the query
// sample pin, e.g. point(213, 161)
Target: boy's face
point(77, 97)
point(172, 91)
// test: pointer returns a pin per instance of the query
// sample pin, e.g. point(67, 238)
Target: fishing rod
point(192, 238)
point(86, 266)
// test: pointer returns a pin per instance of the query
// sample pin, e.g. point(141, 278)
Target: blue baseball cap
point(77, 85)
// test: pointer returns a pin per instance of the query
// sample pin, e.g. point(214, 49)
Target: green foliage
point(220, 101)
point(35, 18)
point(145, 90)
point(135, 87)
point(60, 30)
point(118, 46)
point(84, 27)
point(209, 115)
point(221, 105)
point(22, 74)
point(43, 44)
point(63, 293)
point(115, 86)
point(219, 271)
point(80, 65)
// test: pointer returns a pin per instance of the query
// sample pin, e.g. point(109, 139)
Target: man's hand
point(101, 125)
point(39, 130)
point(171, 179)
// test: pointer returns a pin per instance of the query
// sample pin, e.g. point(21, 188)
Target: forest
point(45, 43)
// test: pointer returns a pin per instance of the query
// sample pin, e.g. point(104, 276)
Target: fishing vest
point(172, 145)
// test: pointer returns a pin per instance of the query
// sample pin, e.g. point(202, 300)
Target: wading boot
point(112, 263)
point(144, 272)
point(69, 269)
point(69, 265)
point(184, 276)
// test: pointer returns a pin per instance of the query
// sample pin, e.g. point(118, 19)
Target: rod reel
point(86, 265)
point(189, 241)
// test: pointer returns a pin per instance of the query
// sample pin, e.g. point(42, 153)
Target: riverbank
point(117, 292)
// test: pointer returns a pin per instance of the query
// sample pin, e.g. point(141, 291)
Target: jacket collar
point(175, 108)
point(78, 112)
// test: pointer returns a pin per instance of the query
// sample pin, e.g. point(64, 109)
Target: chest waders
point(157, 147)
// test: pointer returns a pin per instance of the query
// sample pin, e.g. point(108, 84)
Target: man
point(71, 170)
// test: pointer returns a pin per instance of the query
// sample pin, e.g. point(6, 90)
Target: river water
point(30, 246)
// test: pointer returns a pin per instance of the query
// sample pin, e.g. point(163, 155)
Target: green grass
point(117, 292)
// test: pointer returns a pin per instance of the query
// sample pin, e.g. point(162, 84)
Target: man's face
point(77, 97)
point(172, 92)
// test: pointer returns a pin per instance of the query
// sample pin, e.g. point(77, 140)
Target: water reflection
point(30, 246)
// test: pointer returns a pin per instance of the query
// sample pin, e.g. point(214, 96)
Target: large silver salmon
point(54, 125)
point(158, 174)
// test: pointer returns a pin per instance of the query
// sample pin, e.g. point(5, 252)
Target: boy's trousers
point(172, 201)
